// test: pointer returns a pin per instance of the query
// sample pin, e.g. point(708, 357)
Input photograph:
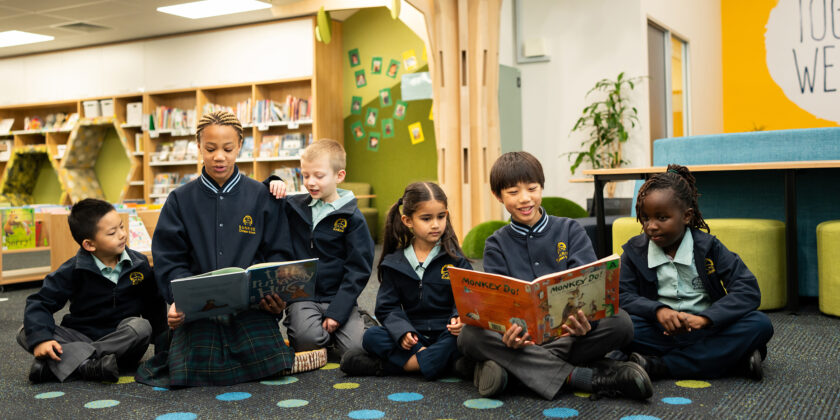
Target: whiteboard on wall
point(255, 53)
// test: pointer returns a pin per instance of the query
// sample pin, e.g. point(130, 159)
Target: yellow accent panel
point(112, 166)
point(759, 242)
point(47, 187)
point(828, 248)
point(751, 99)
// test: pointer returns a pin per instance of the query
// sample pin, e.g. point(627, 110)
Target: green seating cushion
point(473, 245)
point(828, 263)
point(561, 207)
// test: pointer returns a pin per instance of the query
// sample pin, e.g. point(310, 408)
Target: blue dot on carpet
point(640, 417)
point(405, 396)
point(483, 403)
point(366, 414)
point(102, 404)
point(560, 412)
point(292, 403)
point(282, 381)
point(177, 416)
point(233, 396)
point(45, 395)
point(676, 400)
point(157, 388)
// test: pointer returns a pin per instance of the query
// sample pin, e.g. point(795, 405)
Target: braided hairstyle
point(218, 118)
point(680, 180)
point(399, 236)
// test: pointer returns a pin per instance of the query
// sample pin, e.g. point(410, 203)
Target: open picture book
point(496, 302)
point(234, 289)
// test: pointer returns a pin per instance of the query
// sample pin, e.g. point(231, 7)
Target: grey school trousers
point(544, 368)
point(303, 325)
point(128, 342)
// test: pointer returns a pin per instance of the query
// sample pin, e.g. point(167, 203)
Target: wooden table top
point(754, 166)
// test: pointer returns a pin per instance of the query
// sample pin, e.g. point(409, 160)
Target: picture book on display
point(496, 302)
point(18, 227)
point(233, 289)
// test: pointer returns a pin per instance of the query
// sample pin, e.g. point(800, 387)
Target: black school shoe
point(357, 362)
point(754, 370)
point(102, 369)
point(653, 365)
point(40, 372)
point(490, 378)
point(465, 367)
point(621, 379)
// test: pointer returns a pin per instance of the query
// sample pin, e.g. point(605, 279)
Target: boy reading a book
point(532, 245)
point(327, 224)
point(115, 307)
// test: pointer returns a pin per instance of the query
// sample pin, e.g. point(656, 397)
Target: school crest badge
point(444, 272)
point(562, 252)
point(340, 225)
point(136, 278)
point(247, 225)
point(710, 266)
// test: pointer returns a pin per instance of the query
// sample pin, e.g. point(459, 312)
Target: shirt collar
point(411, 256)
point(103, 268)
point(524, 229)
point(229, 184)
point(344, 197)
point(684, 254)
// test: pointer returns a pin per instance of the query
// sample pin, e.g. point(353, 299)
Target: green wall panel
point(47, 187)
point(112, 166)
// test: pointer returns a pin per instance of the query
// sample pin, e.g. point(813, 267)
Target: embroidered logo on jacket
point(247, 225)
point(710, 266)
point(444, 272)
point(562, 252)
point(136, 278)
point(340, 225)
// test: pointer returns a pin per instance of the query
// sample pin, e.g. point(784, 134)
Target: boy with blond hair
point(327, 224)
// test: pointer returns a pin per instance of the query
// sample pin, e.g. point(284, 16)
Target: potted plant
point(606, 123)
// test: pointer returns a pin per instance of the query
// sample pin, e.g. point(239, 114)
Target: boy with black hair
point(532, 245)
point(115, 307)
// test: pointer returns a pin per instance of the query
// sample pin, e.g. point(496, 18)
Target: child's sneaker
point(754, 369)
point(622, 379)
point(465, 367)
point(357, 362)
point(102, 369)
point(489, 378)
point(653, 365)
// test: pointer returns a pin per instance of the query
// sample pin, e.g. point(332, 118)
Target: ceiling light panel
point(210, 8)
point(11, 38)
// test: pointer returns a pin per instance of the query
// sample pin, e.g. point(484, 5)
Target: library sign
point(802, 41)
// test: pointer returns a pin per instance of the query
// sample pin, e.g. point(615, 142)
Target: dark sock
point(581, 379)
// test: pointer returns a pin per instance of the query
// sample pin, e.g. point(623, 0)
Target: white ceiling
point(125, 20)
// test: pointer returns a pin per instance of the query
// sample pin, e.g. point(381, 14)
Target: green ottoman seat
point(828, 263)
point(759, 242)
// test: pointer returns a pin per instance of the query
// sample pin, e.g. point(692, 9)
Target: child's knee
point(140, 326)
point(310, 339)
point(760, 323)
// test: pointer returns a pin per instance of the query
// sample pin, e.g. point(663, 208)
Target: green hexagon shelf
point(31, 178)
point(97, 163)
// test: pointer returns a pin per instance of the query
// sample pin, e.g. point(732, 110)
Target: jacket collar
point(210, 185)
point(300, 203)
point(84, 261)
point(637, 250)
point(397, 261)
point(523, 229)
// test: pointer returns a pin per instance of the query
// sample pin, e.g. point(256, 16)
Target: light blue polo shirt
point(321, 209)
point(680, 287)
point(411, 256)
point(112, 274)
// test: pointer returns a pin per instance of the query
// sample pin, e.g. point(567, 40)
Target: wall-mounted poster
point(353, 55)
point(357, 130)
point(356, 105)
point(416, 132)
point(393, 68)
point(370, 118)
point(376, 65)
point(399, 110)
point(387, 128)
point(373, 141)
point(385, 97)
point(361, 81)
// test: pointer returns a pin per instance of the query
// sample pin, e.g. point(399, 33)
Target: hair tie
point(399, 202)
point(674, 171)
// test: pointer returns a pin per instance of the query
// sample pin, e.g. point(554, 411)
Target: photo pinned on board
point(356, 105)
point(393, 68)
point(400, 110)
point(387, 128)
point(385, 97)
point(373, 141)
point(357, 130)
point(361, 81)
point(353, 55)
point(409, 60)
point(416, 132)
point(370, 118)
point(376, 65)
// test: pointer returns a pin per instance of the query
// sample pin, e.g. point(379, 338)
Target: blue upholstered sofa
point(760, 195)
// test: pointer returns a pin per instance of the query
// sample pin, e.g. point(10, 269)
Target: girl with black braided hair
point(693, 302)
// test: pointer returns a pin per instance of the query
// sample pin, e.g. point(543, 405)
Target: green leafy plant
point(606, 123)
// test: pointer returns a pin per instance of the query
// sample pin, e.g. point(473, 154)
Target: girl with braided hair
point(692, 301)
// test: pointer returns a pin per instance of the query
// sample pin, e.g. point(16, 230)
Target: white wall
point(245, 54)
point(595, 39)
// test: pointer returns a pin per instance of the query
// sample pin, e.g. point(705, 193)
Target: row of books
point(58, 121)
point(287, 145)
point(176, 151)
point(166, 118)
point(242, 110)
point(292, 177)
point(165, 182)
point(293, 109)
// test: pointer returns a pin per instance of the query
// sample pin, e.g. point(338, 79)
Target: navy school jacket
point(96, 304)
point(406, 303)
point(344, 247)
point(204, 227)
point(732, 288)
point(553, 244)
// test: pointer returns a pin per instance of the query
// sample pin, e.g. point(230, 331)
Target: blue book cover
point(234, 289)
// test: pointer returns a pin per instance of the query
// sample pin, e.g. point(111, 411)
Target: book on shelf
point(106, 108)
point(541, 306)
point(242, 110)
point(187, 178)
point(60, 150)
point(162, 152)
point(164, 182)
point(138, 142)
point(6, 149)
point(18, 227)
point(233, 289)
point(138, 237)
point(134, 113)
point(269, 146)
point(292, 177)
point(91, 109)
point(192, 150)
point(247, 150)
point(70, 122)
point(179, 151)
point(175, 119)
point(6, 125)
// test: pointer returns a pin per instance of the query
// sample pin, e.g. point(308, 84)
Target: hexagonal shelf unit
point(97, 163)
point(31, 178)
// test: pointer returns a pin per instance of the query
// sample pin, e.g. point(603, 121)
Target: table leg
point(600, 227)
point(792, 248)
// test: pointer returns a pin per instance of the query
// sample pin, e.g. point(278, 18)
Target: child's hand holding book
point(273, 304)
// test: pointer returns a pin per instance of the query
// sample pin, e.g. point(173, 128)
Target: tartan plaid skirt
point(220, 351)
